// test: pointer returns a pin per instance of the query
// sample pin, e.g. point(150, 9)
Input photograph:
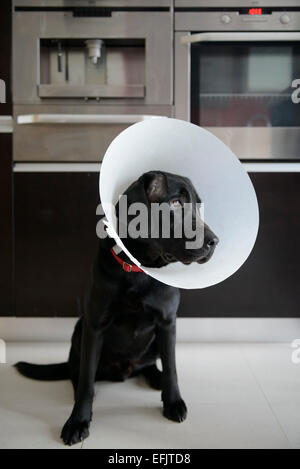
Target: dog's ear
point(155, 186)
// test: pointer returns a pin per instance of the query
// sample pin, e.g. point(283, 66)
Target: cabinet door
point(55, 226)
point(56, 243)
point(267, 285)
point(6, 243)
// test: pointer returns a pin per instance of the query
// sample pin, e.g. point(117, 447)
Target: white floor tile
point(128, 415)
point(233, 395)
point(288, 414)
point(273, 368)
point(32, 412)
point(226, 407)
point(279, 379)
point(216, 373)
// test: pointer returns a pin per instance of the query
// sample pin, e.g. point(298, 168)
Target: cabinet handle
point(83, 118)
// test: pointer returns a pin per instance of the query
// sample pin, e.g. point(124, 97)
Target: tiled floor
point(238, 396)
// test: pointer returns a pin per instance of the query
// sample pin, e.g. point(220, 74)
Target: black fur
point(129, 319)
point(51, 372)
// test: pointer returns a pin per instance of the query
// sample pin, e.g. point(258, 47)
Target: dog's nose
point(210, 239)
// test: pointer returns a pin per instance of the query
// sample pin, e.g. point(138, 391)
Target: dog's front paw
point(74, 431)
point(175, 411)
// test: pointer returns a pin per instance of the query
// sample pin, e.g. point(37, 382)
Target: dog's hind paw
point(74, 431)
point(175, 411)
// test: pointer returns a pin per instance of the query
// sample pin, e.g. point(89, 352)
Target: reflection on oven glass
point(245, 84)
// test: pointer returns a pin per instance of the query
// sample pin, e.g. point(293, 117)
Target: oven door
point(241, 86)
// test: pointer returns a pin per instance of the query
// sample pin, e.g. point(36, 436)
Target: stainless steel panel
point(212, 21)
point(236, 3)
point(91, 91)
point(54, 142)
point(94, 3)
point(261, 142)
point(182, 69)
point(72, 142)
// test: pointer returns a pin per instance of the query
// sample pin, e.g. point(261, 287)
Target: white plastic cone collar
point(230, 204)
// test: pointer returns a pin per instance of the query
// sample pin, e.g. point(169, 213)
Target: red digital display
point(255, 11)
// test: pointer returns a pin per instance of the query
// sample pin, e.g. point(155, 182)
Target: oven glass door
point(243, 93)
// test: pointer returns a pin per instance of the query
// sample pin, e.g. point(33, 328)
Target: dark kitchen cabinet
point(267, 285)
point(55, 223)
point(56, 242)
point(6, 242)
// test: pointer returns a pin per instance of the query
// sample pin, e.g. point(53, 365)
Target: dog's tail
point(53, 372)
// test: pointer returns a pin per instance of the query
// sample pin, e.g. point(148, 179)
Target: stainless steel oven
point(234, 73)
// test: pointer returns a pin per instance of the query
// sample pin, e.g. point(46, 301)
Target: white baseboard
point(188, 329)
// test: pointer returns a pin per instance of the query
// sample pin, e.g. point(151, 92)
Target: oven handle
point(232, 36)
point(83, 118)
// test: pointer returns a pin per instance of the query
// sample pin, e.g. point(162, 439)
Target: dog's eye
point(176, 203)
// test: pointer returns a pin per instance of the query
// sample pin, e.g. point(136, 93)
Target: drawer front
point(73, 134)
point(58, 142)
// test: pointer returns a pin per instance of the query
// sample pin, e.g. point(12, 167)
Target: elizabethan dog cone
point(230, 204)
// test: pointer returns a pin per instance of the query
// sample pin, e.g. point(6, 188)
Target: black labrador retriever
point(129, 317)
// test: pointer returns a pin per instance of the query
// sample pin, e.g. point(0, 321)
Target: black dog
point(129, 317)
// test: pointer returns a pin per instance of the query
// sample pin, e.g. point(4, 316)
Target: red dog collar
point(126, 267)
